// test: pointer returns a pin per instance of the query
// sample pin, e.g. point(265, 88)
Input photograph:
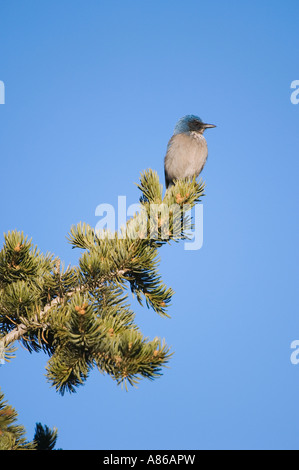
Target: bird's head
point(191, 123)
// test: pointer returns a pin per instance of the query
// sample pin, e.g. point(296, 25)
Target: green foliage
point(80, 316)
point(12, 436)
point(44, 437)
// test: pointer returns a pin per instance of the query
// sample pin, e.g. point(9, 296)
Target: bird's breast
point(186, 155)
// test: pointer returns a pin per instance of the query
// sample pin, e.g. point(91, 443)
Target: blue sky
point(92, 93)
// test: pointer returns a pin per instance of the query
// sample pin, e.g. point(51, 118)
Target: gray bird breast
point(185, 157)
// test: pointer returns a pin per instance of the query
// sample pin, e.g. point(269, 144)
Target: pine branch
point(79, 315)
point(44, 437)
point(12, 436)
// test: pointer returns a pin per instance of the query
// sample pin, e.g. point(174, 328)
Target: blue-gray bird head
point(191, 123)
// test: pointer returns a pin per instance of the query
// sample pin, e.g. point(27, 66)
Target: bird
point(187, 150)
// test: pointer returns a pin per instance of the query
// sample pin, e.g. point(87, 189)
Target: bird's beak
point(208, 126)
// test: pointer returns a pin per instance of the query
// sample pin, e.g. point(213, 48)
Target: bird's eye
point(195, 124)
